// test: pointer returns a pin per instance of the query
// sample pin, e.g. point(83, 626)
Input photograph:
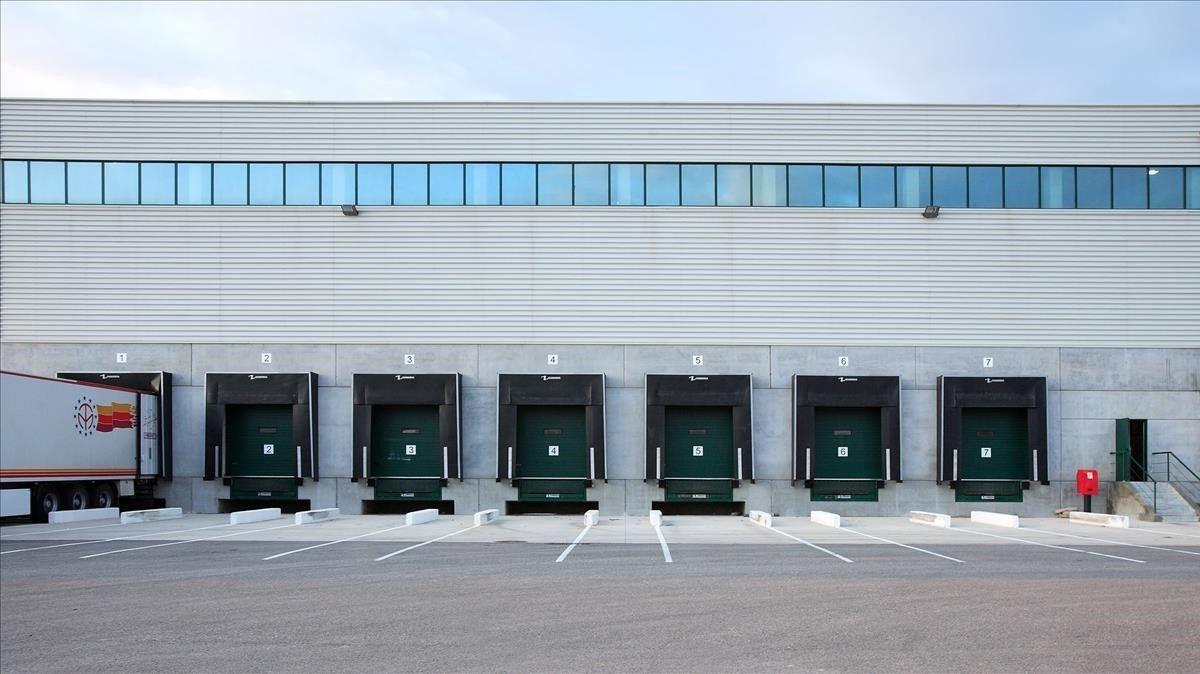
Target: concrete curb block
point(151, 515)
point(421, 516)
point(760, 517)
point(932, 519)
point(591, 518)
point(486, 516)
point(1099, 520)
point(828, 519)
point(996, 519)
point(60, 516)
point(259, 515)
point(656, 518)
point(313, 516)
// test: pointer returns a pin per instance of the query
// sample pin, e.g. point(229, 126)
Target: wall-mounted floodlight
point(931, 211)
point(349, 209)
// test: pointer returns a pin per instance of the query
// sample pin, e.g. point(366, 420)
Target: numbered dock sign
point(553, 450)
point(410, 450)
point(843, 452)
point(985, 452)
point(268, 449)
point(697, 450)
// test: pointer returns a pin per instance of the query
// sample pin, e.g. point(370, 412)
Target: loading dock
point(991, 436)
point(698, 441)
point(260, 437)
point(847, 436)
point(406, 439)
point(551, 440)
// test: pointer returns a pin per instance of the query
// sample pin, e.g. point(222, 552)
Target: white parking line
point(910, 547)
point(1047, 545)
point(1105, 540)
point(574, 543)
point(190, 540)
point(663, 542)
point(343, 540)
point(55, 531)
point(1162, 532)
point(435, 540)
point(109, 540)
point(811, 545)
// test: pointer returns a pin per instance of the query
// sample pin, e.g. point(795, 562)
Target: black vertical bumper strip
point(362, 438)
point(656, 439)
point(166, 397)
point(882, 393)
point(594, 418)
point(941, 432)
point(314, 455)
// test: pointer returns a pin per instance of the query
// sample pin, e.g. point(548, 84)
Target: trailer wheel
point(46, 502)
point(103, 496)
point(76, 497)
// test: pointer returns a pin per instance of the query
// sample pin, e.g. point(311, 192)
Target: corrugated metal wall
point(600, 132)
point(600, 275)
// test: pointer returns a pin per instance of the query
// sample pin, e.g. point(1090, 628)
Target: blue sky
point(974, 52)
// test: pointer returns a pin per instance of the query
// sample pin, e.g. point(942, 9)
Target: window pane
point(83, 182)
point(554, 184)
point(195, 184)
point(1166, 187)
point(662, 184)
point(266, 184)
point(1193, 187)
point(878, 186)
point(16, 182)
point(627, 185)
point(483, 184)
point(591, 184)
point(984, 183)
point(950, 186)
point(374, 184)
point(912, 185)
point(804, 186)
point(120, 183)
point(158, 183)
point(770, 185)
point(410, 184)
point(1058, 187)
point(47, 182)
point(337, 184)
point(698, 184)
point(1129, 187)
point(302, 184)
point(229, 184)
point(1021, 187)
point(1094, 185)
point(446, 184)
point(841, 186)
point(733, 185)
point(519, 185)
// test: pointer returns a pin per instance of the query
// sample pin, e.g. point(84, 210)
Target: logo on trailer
point(93, 418)
point(85, 416)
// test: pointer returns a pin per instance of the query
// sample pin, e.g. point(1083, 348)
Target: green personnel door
point(699, 461)
point(406, 454)
point(551, 453)
point(994, 458)
point(261, 451)
point(847, 460)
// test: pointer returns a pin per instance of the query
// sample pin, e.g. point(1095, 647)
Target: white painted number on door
point(843, 361)
point(552, 359)
point(988, 361)
point(553, 450)
point(410, 450)
point(985, 452)
point(697, 450)
point(122, 358)
point(843, 451)
point(410, 359)
point(266, 359)
point(268, 449)
point(697, 359)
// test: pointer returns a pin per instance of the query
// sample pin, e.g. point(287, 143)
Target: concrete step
point(1172, 507)
point(1189, 491)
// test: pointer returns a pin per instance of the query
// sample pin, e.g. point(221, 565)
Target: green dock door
point(406, 453)
point(994, 458)
point(551, 453)
point(847, 460)
point(699, 461)
point(261, 451)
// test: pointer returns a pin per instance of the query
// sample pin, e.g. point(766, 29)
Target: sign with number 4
point(553, 450)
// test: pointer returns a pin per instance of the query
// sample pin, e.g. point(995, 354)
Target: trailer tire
point(76, 497)
point(46, 501)
point(104, 496)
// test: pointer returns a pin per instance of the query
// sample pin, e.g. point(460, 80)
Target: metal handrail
point(1172, 455)
point(1128, 456)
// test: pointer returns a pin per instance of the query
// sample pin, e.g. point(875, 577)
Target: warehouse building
point(553, 307)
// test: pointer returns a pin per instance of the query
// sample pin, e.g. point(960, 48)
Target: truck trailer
point(69, 445)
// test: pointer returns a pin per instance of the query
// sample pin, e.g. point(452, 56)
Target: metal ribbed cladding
point(600, 275)
point(821, 133)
